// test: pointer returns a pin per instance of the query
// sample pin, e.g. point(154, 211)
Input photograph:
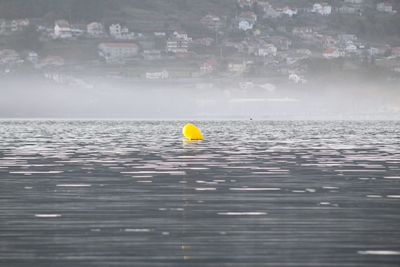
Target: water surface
point(120, 193)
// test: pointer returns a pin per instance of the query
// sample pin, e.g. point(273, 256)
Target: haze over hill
point(219, 58)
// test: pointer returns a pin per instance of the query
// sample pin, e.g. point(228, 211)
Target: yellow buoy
point(191, 132)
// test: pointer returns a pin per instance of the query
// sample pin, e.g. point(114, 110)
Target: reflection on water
point(252, 194)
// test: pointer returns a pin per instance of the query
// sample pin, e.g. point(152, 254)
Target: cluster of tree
point(70, 9)
point(98, 9)
point(370, 26)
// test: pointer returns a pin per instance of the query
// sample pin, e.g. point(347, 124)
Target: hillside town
point(262, 39)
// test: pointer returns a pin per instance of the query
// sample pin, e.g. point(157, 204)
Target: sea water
point(256, 193)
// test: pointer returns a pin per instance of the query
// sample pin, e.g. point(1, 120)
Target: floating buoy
point(191, 132)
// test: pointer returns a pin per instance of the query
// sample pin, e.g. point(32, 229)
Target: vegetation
point(97, 9)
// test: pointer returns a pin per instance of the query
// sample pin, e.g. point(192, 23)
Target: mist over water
point(33, 96)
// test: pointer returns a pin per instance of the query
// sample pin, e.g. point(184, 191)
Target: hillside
point(100, 9)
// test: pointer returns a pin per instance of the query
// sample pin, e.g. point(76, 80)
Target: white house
point(323, 9)
point(62, 29)
point(267, 50)
point(32, 57)
point(237, 67)
point(182, 35)
point(95, 29)
point(351, 48)
point(160, 34)
point(246, 20)
point(385, 7)
point(378, 50)
point(178, 43)
point(347, 9)
point(303, 32)
point(246, 3)
point(293, 77)
point(19, 24)
point(244, 25)
point(9, 57)
point(118, 52)
point(117, 31)
point(76, 32)
point(208, 66)
point(162, 75)
point(289, 11)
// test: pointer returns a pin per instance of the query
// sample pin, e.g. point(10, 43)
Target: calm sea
point(123, 193)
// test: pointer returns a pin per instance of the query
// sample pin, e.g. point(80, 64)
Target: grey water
point(256, 193)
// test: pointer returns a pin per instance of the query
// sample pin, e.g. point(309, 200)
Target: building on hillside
point(10, 57)
point(160, 34)
point(323, 9)
point(117, 31)
point(378, 50)
point(303, 32)
point(246, 20)
point(306, 53)
point(152, 54)
point(212, 22)
point(206, 41)
point(18, 24)
point(282, 43)
point(246, 3)
point(344, 38)
point(179, 42)
point(332, 53)
point(348, 10)
point(78, 30)
point(182, 35)
point(289, 11)
point(328, 41)
point(161, 75)
point(237, 67)
point(32, 57)
point(396, 52)
point(209, 66)
point(266, 50)
point(118, 52)
point(62, 29)
point(95, 29)
point(51, 61)
point(295, 78)
point(176, 45)
point(268, 10)
point(351, 48)
point(386, 7)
